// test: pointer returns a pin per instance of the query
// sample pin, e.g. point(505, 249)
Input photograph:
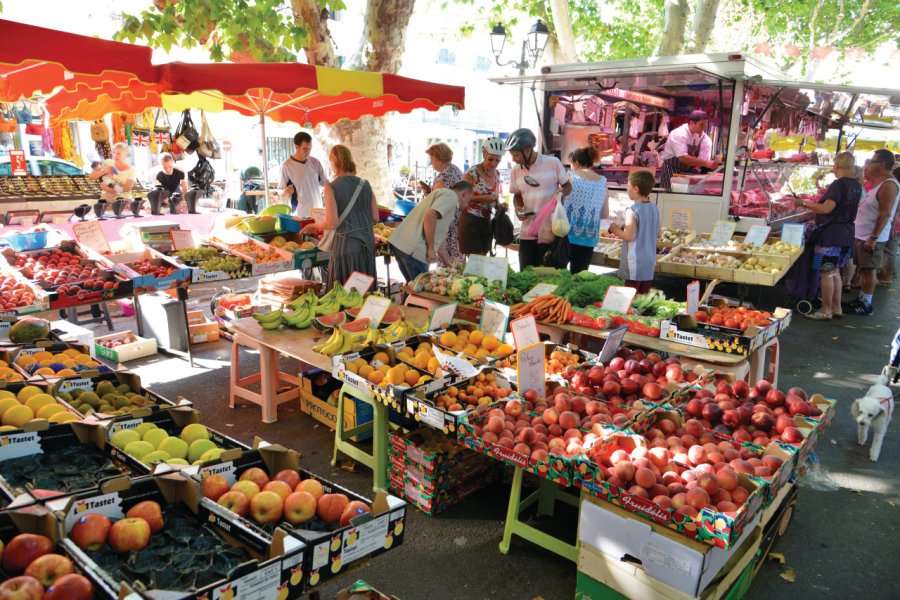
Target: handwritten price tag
point(722, 232)
point(757, 235)
point(525, 332)
point(539, 290)
point(693, 297)
point(618, 298)
point(792, 233)
point(531, 369)
point(90, 234)
point(494, 319)
point(496, 269)
point(453, 364)
point(359, 282)
point(442, 316)
point(680, 218)
point(182, 238)
point(374, 309)
point(612, 344)
point(475, 265)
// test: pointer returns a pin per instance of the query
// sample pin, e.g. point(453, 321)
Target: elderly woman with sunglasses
point(475, 221)
point(535, 181)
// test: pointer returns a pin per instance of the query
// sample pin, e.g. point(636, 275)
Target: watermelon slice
point(392, 315)
point(357, 326)
point(353, 312)
point(326, 322)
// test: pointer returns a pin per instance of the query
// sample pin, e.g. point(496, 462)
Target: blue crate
point(27, 241)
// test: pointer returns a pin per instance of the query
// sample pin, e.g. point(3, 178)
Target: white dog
point(874, 410)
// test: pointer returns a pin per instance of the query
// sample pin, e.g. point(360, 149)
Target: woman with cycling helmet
point(475, 220)
point(535, 181)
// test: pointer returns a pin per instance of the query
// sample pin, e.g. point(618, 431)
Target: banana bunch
point(400, 330)
point(270, 320)
point(330, 303)
point(351, 299)
point(302, 314)
point(341, 342)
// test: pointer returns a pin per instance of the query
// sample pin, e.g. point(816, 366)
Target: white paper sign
point(612, 344)
point(792, 233)
point(722, 232)
point(318, 215)
point(757, 235)
point(359, 282)
point(182, 238)
point(90, 234)
point(531, 369)
point(539, 290)
point(374, 309)
point(496, 268)
point(494, 318)
point(693, 297)
point(618, 298)
point(475, 265)
point(680, 218)
point(708, 291)
point(453, 364)
point(525, 332)
point(442, 316)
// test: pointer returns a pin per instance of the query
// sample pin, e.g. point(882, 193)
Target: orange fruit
point(412, 377)
point(470, 350)
point(490, 343)
point(476, 337)
point(448, 338)
point(376, 377)
point(504, 350)
point(365, 371)
point(381, 357)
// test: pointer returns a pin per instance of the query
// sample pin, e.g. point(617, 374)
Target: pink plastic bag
point(534, 228)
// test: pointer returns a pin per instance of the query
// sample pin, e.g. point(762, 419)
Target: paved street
point(840, 544)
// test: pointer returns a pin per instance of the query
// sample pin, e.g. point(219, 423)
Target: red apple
point(214, 486)
point(246, 487)
point(129, 535)
point(354, 509)
point(299, 507)
point(791, 435)
point(21, 588)
point(22, 550)
point(149, 511)
point(48, 568)
point(236, 502)
point(797, 391)
point(266, 507)
point(70, 587)
point(256, 475)
point(289, 476)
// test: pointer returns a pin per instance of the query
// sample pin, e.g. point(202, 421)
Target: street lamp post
point(532, 48)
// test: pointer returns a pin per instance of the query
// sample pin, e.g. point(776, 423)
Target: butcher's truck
point(774, 138)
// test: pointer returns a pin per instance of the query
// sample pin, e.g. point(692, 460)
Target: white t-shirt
point(681, 138)
point(549, 172)
point(409, 236)
point(867, 214)
point(307, 177)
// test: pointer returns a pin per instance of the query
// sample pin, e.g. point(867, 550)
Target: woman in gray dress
point(354, 240)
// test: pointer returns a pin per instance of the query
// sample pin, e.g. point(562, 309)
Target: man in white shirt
point(302, 177)
point(687, 149)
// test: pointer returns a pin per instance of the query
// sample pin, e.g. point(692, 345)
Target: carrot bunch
point(547, 308)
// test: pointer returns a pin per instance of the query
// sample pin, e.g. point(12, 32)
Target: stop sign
point(226, 145)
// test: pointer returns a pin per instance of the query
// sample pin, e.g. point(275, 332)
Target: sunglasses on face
point(531, 181)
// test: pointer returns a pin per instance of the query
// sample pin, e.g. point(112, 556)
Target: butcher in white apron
point(687, 149)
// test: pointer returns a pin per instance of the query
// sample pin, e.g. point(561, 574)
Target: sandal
point(819, 316)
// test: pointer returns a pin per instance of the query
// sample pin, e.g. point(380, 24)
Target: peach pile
point(14, 293)
point(146, 267)
point(630, 376)
point(478, 391)
point(589, 411)
point(283, 497)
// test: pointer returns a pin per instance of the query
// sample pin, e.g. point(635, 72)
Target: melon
point(392, 315)
point(330, 321)
point(29, 329)
point(353, 312)
point(357, 326)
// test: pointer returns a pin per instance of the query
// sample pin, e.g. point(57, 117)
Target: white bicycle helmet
point(493, 145)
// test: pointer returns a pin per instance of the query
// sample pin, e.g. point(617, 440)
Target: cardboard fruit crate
point(60, 413)
point(388, 393)
point(145, 284)
point(422, 402)
point(202, 329)
point(140, 348)
point(250, 566)
point(64, 389)
point(12, 354)
point(332, 548)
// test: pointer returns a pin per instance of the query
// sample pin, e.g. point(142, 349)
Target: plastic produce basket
point(28, 241)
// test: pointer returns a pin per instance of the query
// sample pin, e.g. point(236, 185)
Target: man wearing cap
point(688, 148)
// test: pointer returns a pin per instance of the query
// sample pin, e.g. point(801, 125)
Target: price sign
point(17, 163)
point(612, 344)
point(680, 218)
point(709, 290)
point(475, 265)
point(525, 332)
point(757, 235)
point(374, 309)
point(442, 316)
point(539, 290)
point(359, 282)
point(90, 234)
point(494, 318)
point(496, 269)
point(546, 271)
point(318, 215)
point(454, 365)
point(182, 238)
point(618, 298)
point(792, 233)
point(693, 297)
point(722, 232)
point(530, 369)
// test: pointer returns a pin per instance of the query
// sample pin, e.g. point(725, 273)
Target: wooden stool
point(378, 459)
point(764, 363)
point(268, 377)
point(72, 315)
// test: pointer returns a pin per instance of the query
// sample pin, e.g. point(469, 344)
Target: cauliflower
point(476, 291)
point(457, 287)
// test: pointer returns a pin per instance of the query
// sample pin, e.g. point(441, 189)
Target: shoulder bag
point(208, 145)
point(328, 237)
point(186, 136)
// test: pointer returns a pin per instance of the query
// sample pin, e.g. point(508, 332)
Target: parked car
point(43, 165)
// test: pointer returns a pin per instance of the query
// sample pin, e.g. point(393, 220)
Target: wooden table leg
point(268, 367)
point(235, 370)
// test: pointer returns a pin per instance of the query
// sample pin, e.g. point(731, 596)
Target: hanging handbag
point(162, 131)
point(104, 149)
point(186, 136)
point(99, 131)
point(8, 123)
point(208, 145)
point(202, 175)
point(560, 255)
point(502, 228)
point(328, 237)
